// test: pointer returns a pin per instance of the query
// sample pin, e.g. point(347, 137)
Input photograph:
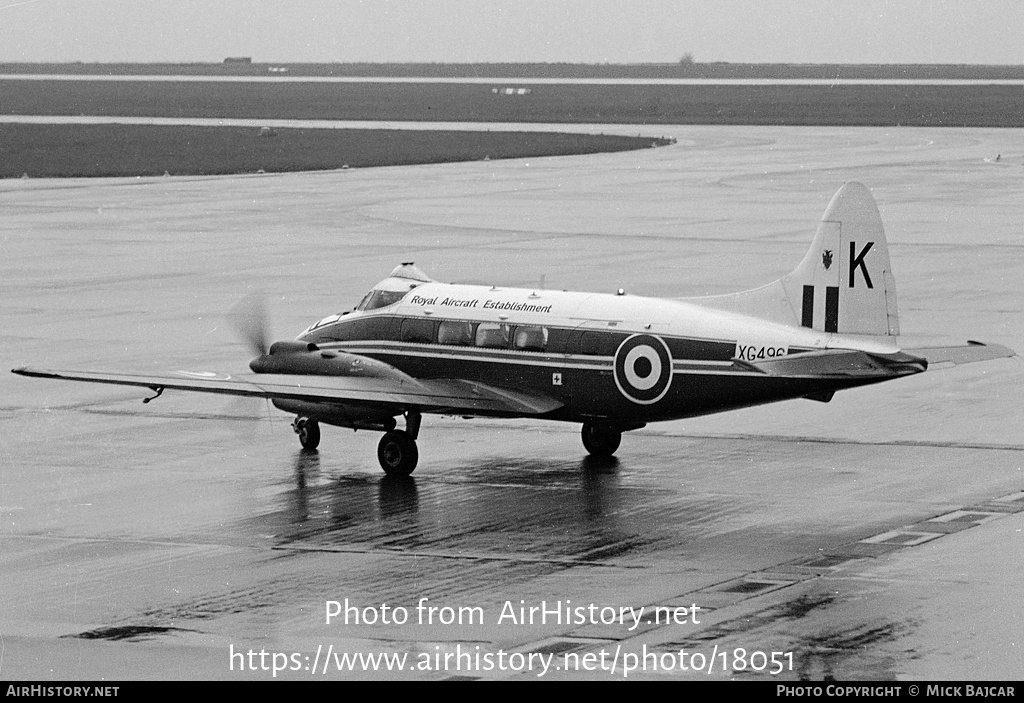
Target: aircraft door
point(589, 364)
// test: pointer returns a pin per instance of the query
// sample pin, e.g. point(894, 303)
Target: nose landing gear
point(601, 440)
point(308, 432)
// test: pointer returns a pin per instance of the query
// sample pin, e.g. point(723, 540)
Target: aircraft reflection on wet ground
point(573, 511)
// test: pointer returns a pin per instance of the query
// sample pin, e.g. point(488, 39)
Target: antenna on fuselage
point(409, 270)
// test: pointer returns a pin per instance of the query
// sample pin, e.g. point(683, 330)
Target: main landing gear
point(601, 440)
point(396, 452)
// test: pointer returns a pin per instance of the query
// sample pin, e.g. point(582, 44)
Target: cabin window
point(455, 332)
point(417, 330)
point(530, 338)
point(491, 334)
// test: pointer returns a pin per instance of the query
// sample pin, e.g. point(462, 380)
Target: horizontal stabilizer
point(944, 357)
point(843, 363)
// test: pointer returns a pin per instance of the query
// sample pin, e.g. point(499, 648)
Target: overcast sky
point(589, 31)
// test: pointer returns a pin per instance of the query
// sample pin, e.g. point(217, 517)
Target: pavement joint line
point(780, 576)
point(901, 537)
point(1005, 508)
point(1012, 497)
point(753, 585)
point(833, 561)
point(121, 540)
point(977, 517)
point(553, 644)
point(839, 440)
point(945, 528)
point(567, 561)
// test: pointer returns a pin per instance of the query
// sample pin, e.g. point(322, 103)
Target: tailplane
point(844, 283)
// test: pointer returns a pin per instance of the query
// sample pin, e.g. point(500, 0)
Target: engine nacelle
point(339, 414)
point(291, 347)
point(307, 359)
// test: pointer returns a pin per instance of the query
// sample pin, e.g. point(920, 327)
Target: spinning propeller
point(250, 320)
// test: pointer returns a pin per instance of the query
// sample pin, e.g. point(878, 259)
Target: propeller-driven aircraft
point(612, 362)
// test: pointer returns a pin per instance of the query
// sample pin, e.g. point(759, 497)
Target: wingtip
point(34, 373)
point(996, 349)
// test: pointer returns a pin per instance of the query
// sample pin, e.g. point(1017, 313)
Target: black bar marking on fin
point(807, 311)
point(832, 309)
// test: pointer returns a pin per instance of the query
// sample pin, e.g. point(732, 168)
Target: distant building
point(238, 59)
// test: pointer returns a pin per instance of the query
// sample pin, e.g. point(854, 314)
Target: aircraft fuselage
point(621, 359)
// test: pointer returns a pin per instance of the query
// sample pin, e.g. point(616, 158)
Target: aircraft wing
point(454, 396)
point(942, 357)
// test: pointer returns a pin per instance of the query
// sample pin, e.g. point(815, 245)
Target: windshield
point(380, 299)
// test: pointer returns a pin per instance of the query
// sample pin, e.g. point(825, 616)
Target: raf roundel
point(643, 368)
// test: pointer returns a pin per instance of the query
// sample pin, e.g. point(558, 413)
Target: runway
point(333, 124)
point(491, 80)
point(876, 537)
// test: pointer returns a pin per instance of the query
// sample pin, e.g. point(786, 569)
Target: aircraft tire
point(397, 453)
point(600, 440)
point(309, 434)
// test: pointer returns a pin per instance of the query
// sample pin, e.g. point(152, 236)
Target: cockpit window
point(380, 299)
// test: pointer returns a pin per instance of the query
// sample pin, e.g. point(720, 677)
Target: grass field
point(121, 150)
point(840, 105)
point(127, 150)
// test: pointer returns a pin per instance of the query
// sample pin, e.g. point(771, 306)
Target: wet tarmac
point(876, 537)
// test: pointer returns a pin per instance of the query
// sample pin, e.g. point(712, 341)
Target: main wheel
point(397, 453)
point(601, 440)
point(309, 433)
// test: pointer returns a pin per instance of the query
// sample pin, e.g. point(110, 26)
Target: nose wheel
point(601, 440)
point(308, 432)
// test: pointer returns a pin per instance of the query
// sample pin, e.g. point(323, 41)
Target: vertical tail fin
point(844, 284)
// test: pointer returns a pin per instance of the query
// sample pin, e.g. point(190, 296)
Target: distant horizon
point(870, 32)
